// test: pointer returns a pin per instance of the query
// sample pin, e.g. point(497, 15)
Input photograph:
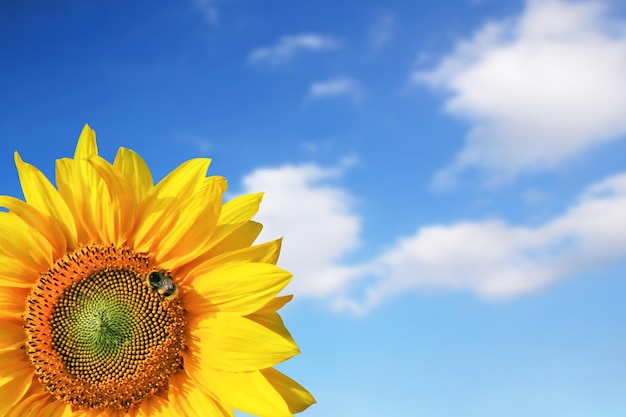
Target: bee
point(162, 283)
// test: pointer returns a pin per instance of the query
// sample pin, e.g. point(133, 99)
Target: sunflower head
point(121, 297)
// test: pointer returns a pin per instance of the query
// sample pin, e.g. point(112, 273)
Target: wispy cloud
point(347, 87)
point(494, 259)
point(208, 9)
point(201, 144)
point(490, 258)
point(538, 89)
point(288, 46)
point(382, 31)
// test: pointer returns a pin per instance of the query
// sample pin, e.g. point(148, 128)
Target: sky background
point(449, 177)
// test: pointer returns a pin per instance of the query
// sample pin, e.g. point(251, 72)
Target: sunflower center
point(101, 332)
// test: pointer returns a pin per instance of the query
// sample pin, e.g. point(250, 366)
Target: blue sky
point(449, 177)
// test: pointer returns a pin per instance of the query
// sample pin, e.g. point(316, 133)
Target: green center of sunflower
point(101, 332)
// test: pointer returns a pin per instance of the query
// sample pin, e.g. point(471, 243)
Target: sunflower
point(119, 297)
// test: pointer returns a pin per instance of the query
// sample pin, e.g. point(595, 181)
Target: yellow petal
point(54, 409)
point(25, 244)
point(165, 197)
point(240, 209)
point(12, 362)
point(134, 169)
point(240, 237)
point(29, 406)
point(237, 344)
point(82, 189)
point(92, 199)
point(13, 334)
point(273, 322)
point(234, 217)
point(237, 237)
point(63, 175)
point(41, 194)
point(154, 406)
point(239, 287)
point(17, 379)
point(48, 226)
point(190, 400)
point(189, 226)
point(12, 301)
point(187, 178)
point(249, 392)
point(274, 305)
point(117, 217)
point(267, 252)
point(32, 402)
point(86, 145)
point(15, 272)
point(298, 399)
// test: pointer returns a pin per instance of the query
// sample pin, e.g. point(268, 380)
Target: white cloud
point(609, 186)
point(497, 260)
point(490, 258)
point(288, 46)
point(538, 90)
point(316, 220)
point(346, 87)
